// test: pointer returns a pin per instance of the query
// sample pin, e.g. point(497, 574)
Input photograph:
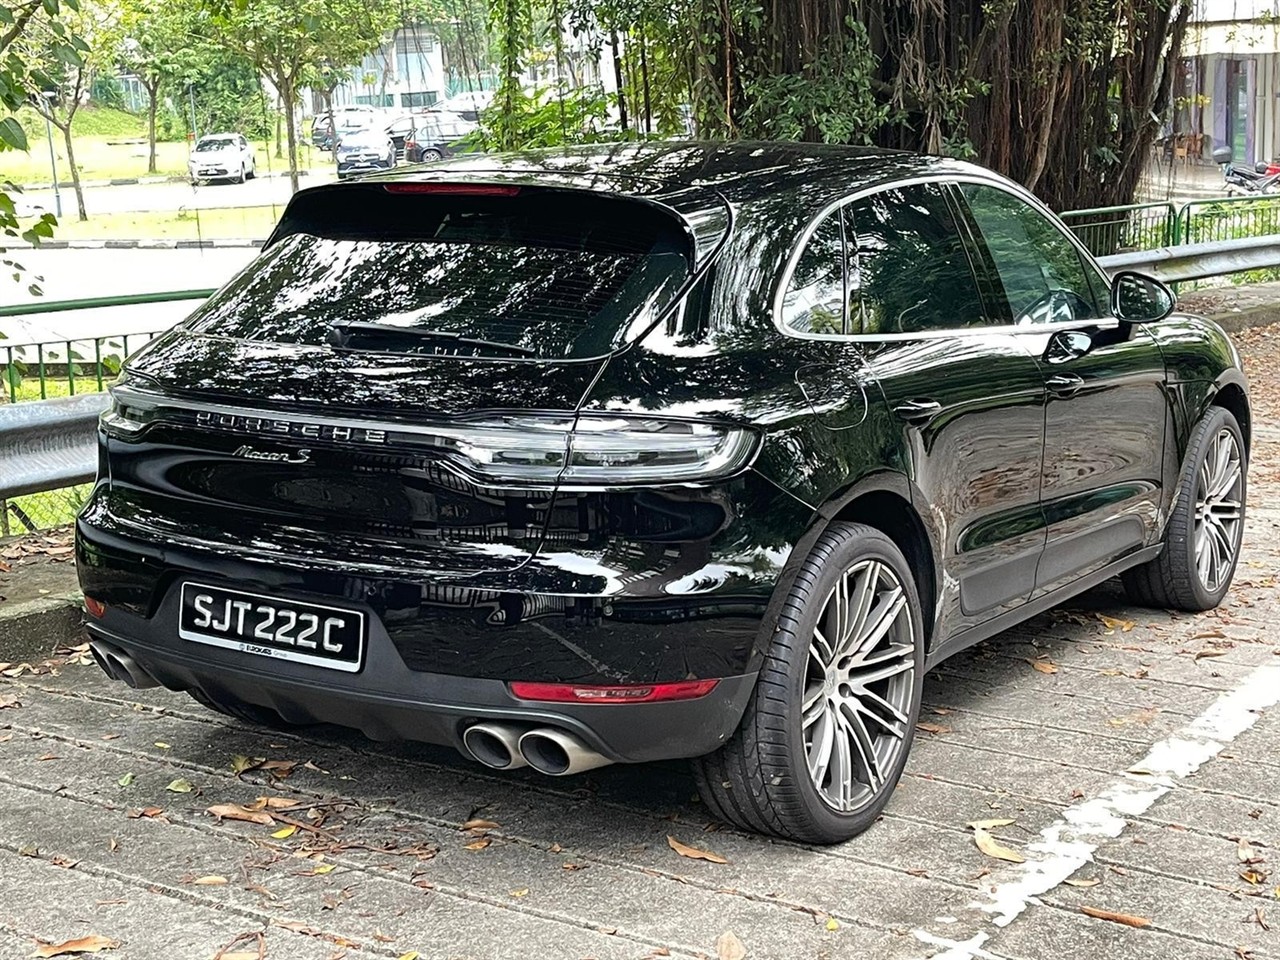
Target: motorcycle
point(1264, 178)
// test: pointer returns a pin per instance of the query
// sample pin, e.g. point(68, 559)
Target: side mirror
point(1136, 298)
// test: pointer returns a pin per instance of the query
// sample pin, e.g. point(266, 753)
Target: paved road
point(70, 274)
point(1140, 762)
point(127, 198)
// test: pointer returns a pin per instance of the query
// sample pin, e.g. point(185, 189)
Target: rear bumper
point(387, 701)
point(438, 657)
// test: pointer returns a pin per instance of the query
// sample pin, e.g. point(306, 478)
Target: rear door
point(969, 397)
point(1106, 411)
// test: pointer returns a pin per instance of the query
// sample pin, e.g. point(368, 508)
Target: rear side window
point(554, 274)
point(910, 271)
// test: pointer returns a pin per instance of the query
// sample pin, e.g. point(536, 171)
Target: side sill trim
point(983, 631)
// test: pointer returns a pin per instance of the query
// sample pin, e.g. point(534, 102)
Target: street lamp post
point(53, 160)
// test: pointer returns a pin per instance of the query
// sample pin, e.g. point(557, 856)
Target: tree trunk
point(617, 78)
point(152, 91)
point(327, 97)
point(279, 142)
point(288, 97)
point(75, 173)
point(644, 74)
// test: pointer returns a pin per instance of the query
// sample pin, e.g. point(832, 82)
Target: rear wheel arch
point(895, 517)
point(1231, 397)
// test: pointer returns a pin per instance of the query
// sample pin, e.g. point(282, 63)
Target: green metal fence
point(1110, 230)
point(1204, 221)
point(59, 368)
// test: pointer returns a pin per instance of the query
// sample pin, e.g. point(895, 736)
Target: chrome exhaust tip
point(118, 665)
point(558, 753)
point(496, 745)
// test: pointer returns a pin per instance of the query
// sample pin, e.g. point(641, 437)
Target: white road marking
point(1068, 844)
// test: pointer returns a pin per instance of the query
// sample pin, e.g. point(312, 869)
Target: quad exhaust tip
point(496, 745)
point(558, 753)
point(118, 665)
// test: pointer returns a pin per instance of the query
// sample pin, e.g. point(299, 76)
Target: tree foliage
point(1062, 95)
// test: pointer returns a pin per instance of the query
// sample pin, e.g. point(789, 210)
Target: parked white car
point(222, 156)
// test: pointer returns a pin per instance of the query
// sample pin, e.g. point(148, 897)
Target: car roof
point(741, 171)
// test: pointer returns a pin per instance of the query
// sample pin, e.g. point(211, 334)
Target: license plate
point(292, 630)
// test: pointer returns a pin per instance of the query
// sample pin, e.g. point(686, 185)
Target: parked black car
point(630, 453)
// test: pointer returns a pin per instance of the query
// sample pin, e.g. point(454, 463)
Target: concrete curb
point(32, 628)
point(149, 244)
point(1236, 320)
point(135, 181)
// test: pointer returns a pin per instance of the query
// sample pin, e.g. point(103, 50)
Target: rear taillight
point(95, 608)
point(628, 693)
point(456, 189)
point(122, 421)
point(599, 450)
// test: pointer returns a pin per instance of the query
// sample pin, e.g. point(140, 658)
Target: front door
point(969, 398)
point(1102, 465)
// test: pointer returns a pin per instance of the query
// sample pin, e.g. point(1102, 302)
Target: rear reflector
point(638, 693)
point(95, 608)
point(457, 189)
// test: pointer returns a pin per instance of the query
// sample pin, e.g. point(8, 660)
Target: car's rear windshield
point(546, 273)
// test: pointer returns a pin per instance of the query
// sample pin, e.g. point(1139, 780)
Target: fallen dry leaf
point(242, 764)
point(993, 848)
point(480, 825)
point(180, 785)
point(150, 812)
point(284, 833)
point(693, 853)
point(233, 811)
point(478, 844)
point(411, 955)
point(1255, 877)
point(212, 880)
point(934, 728)
point(1124, 626)
point(1043, 666)
point(729, 947)
point(1203, 654)
point(1126, 918)
point(1090, 882)
point(990, 824)
point(522, 892)
point(90, 944)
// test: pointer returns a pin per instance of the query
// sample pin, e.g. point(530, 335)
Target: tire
point(1203, 534)
point(430, 155)
point(250, 713)
point(760, 780)
point(244, 174)
point(253, 172)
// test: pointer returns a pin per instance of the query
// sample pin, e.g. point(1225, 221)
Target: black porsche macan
point(631, 453)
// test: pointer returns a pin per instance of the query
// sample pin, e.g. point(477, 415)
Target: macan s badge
point(277, 456)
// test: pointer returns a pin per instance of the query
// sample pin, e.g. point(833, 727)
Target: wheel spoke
point(1227, 481)
point(820, 649)
point(842, 766)
point(857, 732)
point(898, 729)
point(812, 698)
point(865, 678)
point(878, 623)
point(820, 750)
point(836, 621)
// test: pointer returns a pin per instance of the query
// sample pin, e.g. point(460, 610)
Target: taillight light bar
point(455, 189)
point(620, 693)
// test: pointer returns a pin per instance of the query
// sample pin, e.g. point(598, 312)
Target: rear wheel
point(827, 730)
point(234, 707)
point(1202, 538)
point(244, 175)
point(431, 154)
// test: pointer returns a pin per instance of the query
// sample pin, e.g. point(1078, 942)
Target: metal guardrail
point(1138, 226)
point(1199, 261)
point(48, 444)
point(95, 303)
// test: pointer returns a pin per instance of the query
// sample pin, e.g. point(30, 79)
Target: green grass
point(111, 144)
point(235, 223)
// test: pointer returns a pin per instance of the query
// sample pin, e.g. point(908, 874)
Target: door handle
point(1064, 384)
point(917, 411)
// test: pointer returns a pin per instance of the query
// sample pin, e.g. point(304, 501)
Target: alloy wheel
point(1219, 510)
point(858, 686)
